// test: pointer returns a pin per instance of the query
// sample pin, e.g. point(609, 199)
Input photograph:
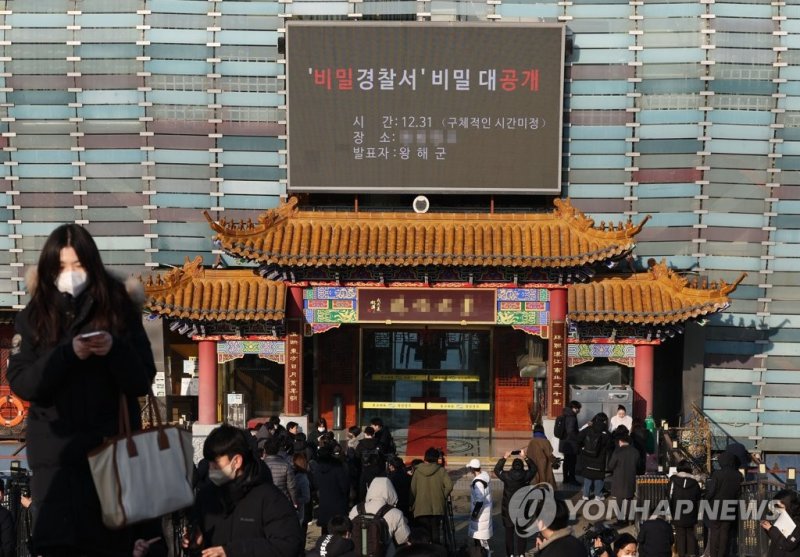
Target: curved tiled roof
point(199, 294)
point(289, 237)
point(658, 296)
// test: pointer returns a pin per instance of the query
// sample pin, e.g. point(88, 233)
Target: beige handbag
point(144, 474)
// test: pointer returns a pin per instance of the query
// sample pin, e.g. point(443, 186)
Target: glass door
point(427, 382)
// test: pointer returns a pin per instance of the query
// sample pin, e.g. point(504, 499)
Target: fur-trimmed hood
point(133, 286)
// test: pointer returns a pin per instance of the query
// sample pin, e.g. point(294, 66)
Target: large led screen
point(424, 107)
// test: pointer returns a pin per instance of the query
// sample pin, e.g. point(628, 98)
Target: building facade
point(133, 117)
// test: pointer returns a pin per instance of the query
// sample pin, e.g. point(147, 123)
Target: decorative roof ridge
point(661, 273)
point(175, 277)
point(564, 211)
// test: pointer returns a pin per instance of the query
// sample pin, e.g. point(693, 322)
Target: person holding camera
point(514, 479)
point(430, 488)
point(625, 545)
point(541, 452)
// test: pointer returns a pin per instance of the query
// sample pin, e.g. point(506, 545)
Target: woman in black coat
point(684, 505)
point(594, 444)
point(74, 384)
point(513, 480)
point(779, 545)
point(331, 481)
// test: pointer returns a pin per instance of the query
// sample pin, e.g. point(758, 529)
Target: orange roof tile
point(200, 294)
point(289, 237)
point(658, 296)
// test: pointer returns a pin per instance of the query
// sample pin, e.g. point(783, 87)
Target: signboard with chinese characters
point(294, 366)
point(426, 305)
point(424, 107)
point(557, 378)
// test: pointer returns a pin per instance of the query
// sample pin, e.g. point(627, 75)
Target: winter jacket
point(380, 493)
point(8, 534)
point(74, 407)
point(332, 546)
point(480, 521)
point(781, 546)
point(330, 480)
point(402, 485)
point(248, 517)
point(282, 476)
point(562, 544)
point(725, 483)
point(593, 466)
point(569, 444)
point(622, 466)
point(684, 499)
point(513, 480)
point(655, 538)
point(541, 452)
point(430, 487)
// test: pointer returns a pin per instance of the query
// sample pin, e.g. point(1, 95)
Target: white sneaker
point(599, 498)
point(584, 497)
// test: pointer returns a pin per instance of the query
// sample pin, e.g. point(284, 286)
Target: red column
point(293, 369)
point(207, 370)
point(643, 378)
point(557, 377)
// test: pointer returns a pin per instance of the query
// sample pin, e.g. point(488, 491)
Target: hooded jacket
point(74, 407)
point(725, 483)
point(332, 546)
point(569, 444)
point(430, 486)
point(380, 493)
point(249, 516)
point(331, 481)
point(684, 499)
point(513, 480)
point(593, 466)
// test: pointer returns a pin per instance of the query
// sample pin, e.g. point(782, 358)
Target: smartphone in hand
point(87, 336)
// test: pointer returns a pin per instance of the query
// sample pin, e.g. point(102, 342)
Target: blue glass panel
point(741, 221)
point(111, 112)
point(662, 86)
point(122, 243)
point(662, 131)
point(741, 10)
point(252, 99)
point(182, 157)
point(179, 6)
point(548, 11)
point(241, 143)
point(113, 156)
point(601, 11)
point(180, 97)
point(187, 201)
point(671, 55)
point(24, 96)
point(598, 161)
point(595, 191)
point(603, 56)
point(748, 117)
point(49, 156)
point(647, 191)
point(179, 51)
point(738, 147)
point(108, 51)
point(260, 202)
point(672, 219)
point(598, 132)
point(46, 171)
point(39, 20)
point(666, 146)
point(178, 36)
point(250, 8)
point(108, 20)
point(110, 96)
point(177, 67)
point(729, 131)
point(250, 68)
point(787, 264)
point(251, 188)
point(788, 148)
point(670, 116)
point(246, 158)
point(598, 102)
point(786, 250)
point(253, 173)
point(596, 87)
point(671, 9)
point(732, 263)
point(742, 86)
point(41, 112)
point(257, 38)
point(604, 40)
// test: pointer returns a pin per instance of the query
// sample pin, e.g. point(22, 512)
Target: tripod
point(448, 523)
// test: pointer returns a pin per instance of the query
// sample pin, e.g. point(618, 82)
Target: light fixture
point(791, 474)
point(762, 468)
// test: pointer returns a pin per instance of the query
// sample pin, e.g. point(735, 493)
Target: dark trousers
point(515, 545)
point(718, 533)
point(686, 541)
point(570, 461)
point(433, 524)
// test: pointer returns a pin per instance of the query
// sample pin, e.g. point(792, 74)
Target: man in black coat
point(724, 485)
point(240, 513)
point(331, 481)
point(556, 539)
point(513, 480)
point(655, 538)
point(685, 494)
point(568, 446)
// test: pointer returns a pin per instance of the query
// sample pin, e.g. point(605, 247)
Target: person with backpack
point(430, 488)
point(684, 504)
point(377, 523)
point(480, 518)
point(594, 442)
point(566, 430)
point(540, 451)
point(337, 542)
point(514, 479)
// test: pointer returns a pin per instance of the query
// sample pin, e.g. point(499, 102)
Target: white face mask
point(71, 282)
point(321, 429)
point(221, 476)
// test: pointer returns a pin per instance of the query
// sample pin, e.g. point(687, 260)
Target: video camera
point(606, 534)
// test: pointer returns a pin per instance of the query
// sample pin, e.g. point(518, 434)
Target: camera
point(517, 451)
point(606, 535)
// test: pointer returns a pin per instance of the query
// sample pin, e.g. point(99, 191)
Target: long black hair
point(112, 306)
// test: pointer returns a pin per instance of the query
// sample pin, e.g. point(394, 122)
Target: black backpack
point(593, 443)
point(560, 427)
point(371, 532)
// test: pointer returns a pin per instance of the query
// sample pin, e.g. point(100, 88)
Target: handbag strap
point(152, 403)
point(125, 426)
